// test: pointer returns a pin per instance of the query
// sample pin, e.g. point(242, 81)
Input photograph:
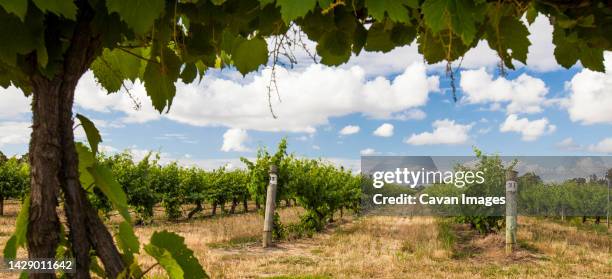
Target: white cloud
point(411, 114)
point(316, 147)
point(530, 130)
point(590, 97)
point(445, 132)
point(540, 56)
point(568, 144)
point(367, 151)
point(349, 130)
point(234, 139)
point(604, 146)
point(13, 103)
point(525, 94)
point(14, 132)
point(480, 56)
point(484, 131)
point(176, 137)
point(384, 130)
point(384, 64)
point(307, 100)
point(91, 96)
point(107, 149)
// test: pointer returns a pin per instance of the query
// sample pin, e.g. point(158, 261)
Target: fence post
point(511, 208)
point(608, 204)
point(270, 207)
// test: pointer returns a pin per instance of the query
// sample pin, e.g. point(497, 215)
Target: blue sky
point(333, 112)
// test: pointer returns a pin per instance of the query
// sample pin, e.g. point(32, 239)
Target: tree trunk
point(234, 204)
point(245, 205)
point(54, 164)
point(1, 206)
point(214, 209)
point(197, 209)
point(257, 205)
point(45, 153)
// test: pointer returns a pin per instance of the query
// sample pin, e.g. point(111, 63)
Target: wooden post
point(511, 208)
point(608, 209)
point(270, 207)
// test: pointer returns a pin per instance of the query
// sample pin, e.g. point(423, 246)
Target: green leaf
point(115, 66)
point(514, 35)
point(127, 240)
point(292, 9)
point(360, 36)
point(431, 48)
point(10, 248)
point(531, 14)
point(165, 259)
point(63, 8)
point(138, 14)
point(334, 48)
point(592, 58)
point(263, 3)
point(107, 184)
point(566, 52)
point(17, 7)
point(18, 239)
point(159, 79)
point(86, 160)
point(323, 4)
point(92, 133)
point(189, 73)
point(402, 34)
point(379, 39)
point(460, 16)
point(29, 37)
point(175, 244)
point(248, 55)
point(396, 10)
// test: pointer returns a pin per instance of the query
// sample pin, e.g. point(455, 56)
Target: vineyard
point(320, 201)
point(319, 187)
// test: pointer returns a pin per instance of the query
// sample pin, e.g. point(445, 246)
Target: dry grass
point(383, 247)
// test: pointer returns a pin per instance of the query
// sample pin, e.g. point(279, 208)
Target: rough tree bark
point(45, 159)
point(54, 163)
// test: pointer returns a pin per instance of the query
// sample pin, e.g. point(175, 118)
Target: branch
point(146, 271)
point(138, 55)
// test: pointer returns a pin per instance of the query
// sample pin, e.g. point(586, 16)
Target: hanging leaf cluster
point(161, 41)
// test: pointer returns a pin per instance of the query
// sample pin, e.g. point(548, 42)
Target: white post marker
point(511, 208)
point(608, 204)
point(270, 207)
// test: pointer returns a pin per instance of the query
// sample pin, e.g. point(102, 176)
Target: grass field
point(384, 247)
